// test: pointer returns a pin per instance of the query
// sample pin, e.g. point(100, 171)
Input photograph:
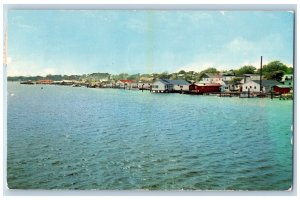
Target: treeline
point(273, 70)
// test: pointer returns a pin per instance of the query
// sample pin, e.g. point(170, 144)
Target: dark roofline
point(267, 82)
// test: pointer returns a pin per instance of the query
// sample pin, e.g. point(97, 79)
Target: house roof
point(126, 81)
point(267, 83)
point(283, 86)
point(207, 84)
point(228, 73)
point(175, 82)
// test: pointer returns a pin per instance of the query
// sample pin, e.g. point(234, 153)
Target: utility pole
point(260, 82)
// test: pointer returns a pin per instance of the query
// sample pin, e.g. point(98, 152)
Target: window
point(254, 87)
point(290, 83)
point(250, 87)
point(246, 87)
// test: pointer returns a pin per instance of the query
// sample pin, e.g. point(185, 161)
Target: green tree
point(173, 76)
point(274, 66)
point(235, 80)
point(200, 75)
point(275, 70)
point(276, 75)
point(164, 75)
point(134, 77)
point(290, 70)
point(246, 69)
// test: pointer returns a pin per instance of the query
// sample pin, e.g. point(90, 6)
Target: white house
point(251, 86)
point(180, 85)
point(228, 77)
point(163, 85)
point(254, 86)
point(124, 83)
point(211, 78)
point(230, 87)
point(144, 85)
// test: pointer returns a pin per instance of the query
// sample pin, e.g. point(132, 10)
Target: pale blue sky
point(44, 42)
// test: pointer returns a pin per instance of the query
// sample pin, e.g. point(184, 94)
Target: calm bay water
point(62, 137)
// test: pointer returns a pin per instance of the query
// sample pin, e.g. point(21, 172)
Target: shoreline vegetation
point(275, 80)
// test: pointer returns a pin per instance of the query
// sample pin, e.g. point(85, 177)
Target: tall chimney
point(260, 84)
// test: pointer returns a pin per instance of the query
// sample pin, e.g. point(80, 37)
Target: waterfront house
point(281, 89)
point(144, 85)
point(124, 83)
point(231, 87)
point(180, 85)
point(166, 85)
point(222, 79)
point(214, 78)
point(254, 86)
point(287, 79)
point(162, 85)
point(201, 88)
point(67, 82)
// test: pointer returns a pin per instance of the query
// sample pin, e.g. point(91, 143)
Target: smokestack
point(260, 74)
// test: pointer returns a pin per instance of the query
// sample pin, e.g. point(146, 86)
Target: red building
point(44, 82)
point(281, 89)
point(127, 81)
point(204, 88)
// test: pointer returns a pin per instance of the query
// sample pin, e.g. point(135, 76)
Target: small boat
point(76, 85)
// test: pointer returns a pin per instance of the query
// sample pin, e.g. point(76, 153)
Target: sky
point(67, 42)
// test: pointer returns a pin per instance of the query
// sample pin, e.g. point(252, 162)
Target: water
point(61, 137)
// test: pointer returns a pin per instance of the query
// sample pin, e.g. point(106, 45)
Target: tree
point(181, 72)
point(246, 69)
point(134, 77)
point(235, 80)
point(208, 70)
point(290, 70)
point(274, 66)
point(173, 76)
point(277, 75)
point(164, 75)
point(275, 70)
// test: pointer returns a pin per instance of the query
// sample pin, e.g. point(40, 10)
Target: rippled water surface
point(62, 137)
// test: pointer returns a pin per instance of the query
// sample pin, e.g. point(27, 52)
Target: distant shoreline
point(219, 94)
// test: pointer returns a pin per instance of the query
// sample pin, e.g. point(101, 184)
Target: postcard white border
point(220, 5)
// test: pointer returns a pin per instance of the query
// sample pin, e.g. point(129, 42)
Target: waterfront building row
point(210, 83)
